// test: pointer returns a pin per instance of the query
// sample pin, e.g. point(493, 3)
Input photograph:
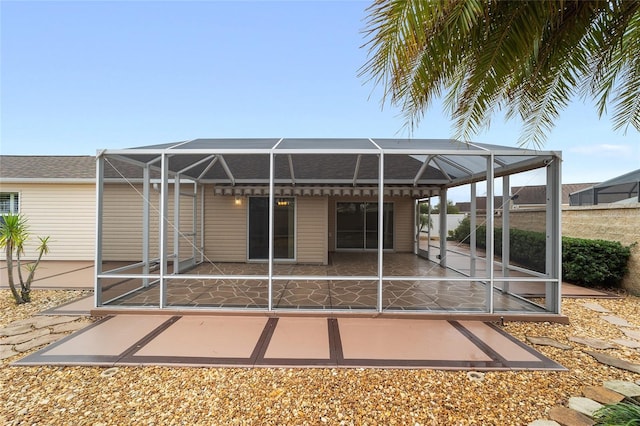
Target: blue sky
point(85, 75)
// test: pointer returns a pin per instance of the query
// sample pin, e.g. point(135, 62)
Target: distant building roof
point(537, 194)
point(45, 167)
point(481, 204)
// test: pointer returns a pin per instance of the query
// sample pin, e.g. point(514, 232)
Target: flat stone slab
point(568, 417)
point(51, 321)
point(631, 333)
point(629, 389)
point(25, 337)
point(42, 340)
point(611, 319)
point(602, 394)
point(13, 329)
point(547, 341)
point(586, 406)
point(627, 343)
point(592, 342)
point(614, 362)
point(6, 351)
point(544, 423)
point(596, 307)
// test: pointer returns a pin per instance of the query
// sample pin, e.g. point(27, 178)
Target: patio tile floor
point(397, 295)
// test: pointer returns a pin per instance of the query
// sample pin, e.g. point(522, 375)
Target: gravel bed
point(211, 396)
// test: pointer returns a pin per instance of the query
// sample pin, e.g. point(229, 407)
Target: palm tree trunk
point(12, 286)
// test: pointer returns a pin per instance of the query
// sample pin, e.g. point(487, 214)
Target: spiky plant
point(14, 233)
point(620, 414)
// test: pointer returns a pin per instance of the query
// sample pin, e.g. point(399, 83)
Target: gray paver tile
point(586, 406)
point(625, 388)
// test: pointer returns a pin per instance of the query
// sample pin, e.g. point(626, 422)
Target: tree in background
point(526, 58)
point(14, 233)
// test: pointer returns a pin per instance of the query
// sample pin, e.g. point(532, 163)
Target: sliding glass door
point(357, 226)
point(283, 228)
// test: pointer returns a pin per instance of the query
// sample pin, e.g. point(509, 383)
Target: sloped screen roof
point(439, 162)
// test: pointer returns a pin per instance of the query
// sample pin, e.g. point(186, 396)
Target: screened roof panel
point(225, 144)
point(424, 144)
point(322, 160)
point(325, 143)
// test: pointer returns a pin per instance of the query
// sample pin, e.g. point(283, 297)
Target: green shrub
point(591, 263)
point(594, 263)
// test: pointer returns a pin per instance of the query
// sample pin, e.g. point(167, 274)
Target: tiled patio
point(397, 295)
point(258, 341)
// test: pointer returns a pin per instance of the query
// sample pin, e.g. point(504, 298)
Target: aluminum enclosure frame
point(456, 163)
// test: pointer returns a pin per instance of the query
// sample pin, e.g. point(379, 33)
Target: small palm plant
point(14, 233)
point(620, 414)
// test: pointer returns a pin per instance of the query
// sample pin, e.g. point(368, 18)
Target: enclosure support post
point(443, 227)
point(164, 210)
point(506, 249)
point(553, 263)
point(490, 240)
point(99, 217)
point(472, 231)
point(271, 202)
point(146, 191)
point(176, 224)
point(380, 227)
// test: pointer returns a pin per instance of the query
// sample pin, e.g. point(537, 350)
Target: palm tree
point(14, 233)
point(526, 58)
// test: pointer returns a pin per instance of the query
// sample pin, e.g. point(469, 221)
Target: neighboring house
point(535, 196)
point(621, 189)
point(481, 205)
point(57, 196)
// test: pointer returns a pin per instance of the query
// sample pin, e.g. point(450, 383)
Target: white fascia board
point(48, 180)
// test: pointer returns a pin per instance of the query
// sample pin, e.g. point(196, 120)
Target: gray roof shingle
point(43, 167)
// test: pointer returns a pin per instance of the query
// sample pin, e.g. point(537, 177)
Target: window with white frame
point(9, 203)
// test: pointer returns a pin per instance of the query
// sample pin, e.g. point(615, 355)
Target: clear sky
point(80, 76)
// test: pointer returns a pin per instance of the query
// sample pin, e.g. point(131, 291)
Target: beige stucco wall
point(403, 220)
point(612, 223)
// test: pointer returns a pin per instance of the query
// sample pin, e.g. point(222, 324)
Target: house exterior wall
point(312, 222)
point(403, 220)
point(123, 222)
point(225, 228)
point(64, 212)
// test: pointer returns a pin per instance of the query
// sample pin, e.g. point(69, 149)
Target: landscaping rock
point(584, 405)
point(42, 340)
point(631, 333)
point(617, 321)
point(602, 394)
point(622, 387)
point(51, 321)
point(591, 342)
point(615, 362)
point(25, 337)
point(596, 307)
point(6, 351)
point(544, 423)
point(568, 417)
point(13, 329)
point(627, 343)
point(547, 341)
